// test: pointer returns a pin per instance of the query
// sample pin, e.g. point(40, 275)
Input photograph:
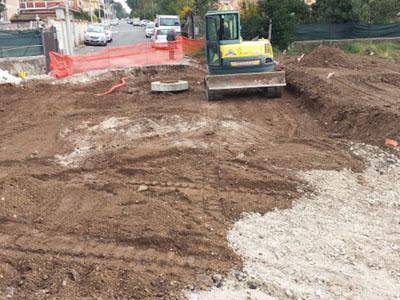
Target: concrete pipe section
point(169, 86)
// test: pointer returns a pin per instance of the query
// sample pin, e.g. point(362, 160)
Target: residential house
point(30, 10)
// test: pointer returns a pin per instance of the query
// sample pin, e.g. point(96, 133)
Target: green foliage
point(285, 14)
point(99, 13)
point(2, 6)
point(366, 11)
point(389, 51)
point(150, 8)
point(334, 11)
point(253, 24)
point(376, 11)
point(147, 11)
point(82, 15)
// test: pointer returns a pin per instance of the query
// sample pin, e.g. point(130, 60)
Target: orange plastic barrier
point(141, 54)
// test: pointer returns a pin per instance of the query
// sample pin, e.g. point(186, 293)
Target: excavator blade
point(272, 82)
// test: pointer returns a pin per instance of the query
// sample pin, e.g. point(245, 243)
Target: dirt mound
point(324, 57)
point(359, 101)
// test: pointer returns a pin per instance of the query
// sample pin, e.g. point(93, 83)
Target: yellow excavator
point(234, 64)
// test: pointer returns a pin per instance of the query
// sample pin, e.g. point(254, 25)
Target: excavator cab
point(234, 64)
point(220, 29)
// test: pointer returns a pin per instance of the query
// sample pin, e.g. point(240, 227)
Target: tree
point(366, 11)
point(99, 13)
point(285, 15)
point(2, 7)
point(149, 8)
point(82, 15)
point(335, 11)
point(376, 11)
point(253, 24)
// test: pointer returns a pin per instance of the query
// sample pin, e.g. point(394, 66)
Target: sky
point(123, 2)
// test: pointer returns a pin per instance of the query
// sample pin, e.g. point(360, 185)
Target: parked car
point(115, 22)
point(96, 35)
point(144, 22)
point(150, 27)
point(136, 22)
point(160, 38)
point(108, 32)
point(129, 21)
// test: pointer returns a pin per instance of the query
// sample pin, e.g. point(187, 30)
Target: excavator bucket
point(271, 82)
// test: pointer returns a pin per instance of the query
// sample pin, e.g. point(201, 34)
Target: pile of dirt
point(131, 195)
point(360, 101)
point(325, 57)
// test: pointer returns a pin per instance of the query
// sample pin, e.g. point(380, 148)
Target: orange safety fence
point(141, 54)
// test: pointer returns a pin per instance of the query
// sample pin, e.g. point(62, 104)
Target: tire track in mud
point(70, 247)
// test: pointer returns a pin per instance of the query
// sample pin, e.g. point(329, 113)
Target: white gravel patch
point(6, 77)
point(117, 132)
point(341, 242)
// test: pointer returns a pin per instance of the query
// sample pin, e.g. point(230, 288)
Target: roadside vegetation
point(389, 51)
point(2, 6)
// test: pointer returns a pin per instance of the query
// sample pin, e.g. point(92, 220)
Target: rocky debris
point(289, 293)
point(217, 279)
point(142, 188)
point(6, 77)
point(75, 276)
point(252, 285)
point(9, 292)
point(240, 276)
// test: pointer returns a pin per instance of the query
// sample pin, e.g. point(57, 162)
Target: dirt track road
point(130, 195)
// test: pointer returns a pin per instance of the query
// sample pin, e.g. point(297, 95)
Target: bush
point(285, 15)
point(389, 51)
point(82, 15)
point(252, 22)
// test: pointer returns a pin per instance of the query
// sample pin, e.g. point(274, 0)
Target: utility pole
point(91, 12)
point(70, 44)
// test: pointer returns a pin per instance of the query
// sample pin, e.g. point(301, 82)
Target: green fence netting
point(20, 43)
point(309, 32)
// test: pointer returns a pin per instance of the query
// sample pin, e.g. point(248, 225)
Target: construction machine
point(234, 64)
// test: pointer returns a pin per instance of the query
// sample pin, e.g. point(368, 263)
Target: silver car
point(96, 35)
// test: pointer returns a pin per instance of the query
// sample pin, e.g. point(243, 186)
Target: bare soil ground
point(131, 195)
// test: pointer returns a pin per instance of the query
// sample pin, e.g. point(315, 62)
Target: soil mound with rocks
point(324, 57)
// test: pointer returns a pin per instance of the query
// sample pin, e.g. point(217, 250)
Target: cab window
point(213, 28)
point(230, 27)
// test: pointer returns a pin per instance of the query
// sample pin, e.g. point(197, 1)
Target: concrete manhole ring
point(169, 86)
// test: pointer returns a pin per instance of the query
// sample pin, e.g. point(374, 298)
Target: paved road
point(123, 34)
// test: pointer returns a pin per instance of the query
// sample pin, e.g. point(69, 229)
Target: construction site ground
point(131, 195)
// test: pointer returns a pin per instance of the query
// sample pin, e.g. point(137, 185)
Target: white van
point(169, 22)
